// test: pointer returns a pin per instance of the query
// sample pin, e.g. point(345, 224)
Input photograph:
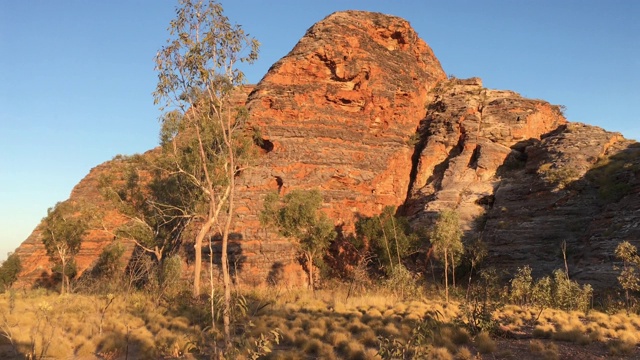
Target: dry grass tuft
point(440, 353)
point(368, 338)
point(313, 347)
point(536, 346)
point(619, 347)
point(353, 350)
point(337, 338)
point(543, 331)
point(485, 343)
point(464, 354)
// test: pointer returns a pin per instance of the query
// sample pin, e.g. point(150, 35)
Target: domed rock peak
point(339, 110)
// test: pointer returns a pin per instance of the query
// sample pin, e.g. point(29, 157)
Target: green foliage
point(264, 344)
point(202, 55)
point(557, 291)
point(559, 176)
point(420, 342)
point(613, 174)
point(628, 277)
point(387, 236)
point(110, 265)
point(9, 271)
point(542, 294)
point(484, 299)
point(158, 206)
point(446, 240)
point(402, 283)
point(297, 215)
point(569, 295)
point(63, 230)
point(170, 276)
point(521, 286)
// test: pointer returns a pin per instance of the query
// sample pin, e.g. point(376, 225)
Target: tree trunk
point(564, 256)
point(446, 277)
point(386, 243)
point(211, 287)
point(198, 250)
point(64, 273)
point(310, 266)
point(395, 235)
point(473, 265)
point(453, 270)
point(226, 279)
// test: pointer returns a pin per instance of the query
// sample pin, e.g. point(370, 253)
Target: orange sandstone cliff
point(361, 110)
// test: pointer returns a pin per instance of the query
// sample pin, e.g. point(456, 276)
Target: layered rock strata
point(361, 110)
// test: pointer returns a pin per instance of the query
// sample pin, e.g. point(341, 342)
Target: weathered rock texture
point(337, 114)
point(524, 180)
point(361, 110)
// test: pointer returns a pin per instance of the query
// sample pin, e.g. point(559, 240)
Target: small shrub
point(521, 286)
point(402, 283)
point(368, 339)
point(461, 336)
point(485, 343)
point(354, 350)
point(484, 300)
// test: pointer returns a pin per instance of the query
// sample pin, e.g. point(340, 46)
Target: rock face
point(361, 110)
point(337, 114)
point(524, 180)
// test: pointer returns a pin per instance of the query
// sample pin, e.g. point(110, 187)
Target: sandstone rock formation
point(361, 110)
point(524, 180)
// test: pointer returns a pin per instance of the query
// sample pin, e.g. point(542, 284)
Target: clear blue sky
point(76, 76)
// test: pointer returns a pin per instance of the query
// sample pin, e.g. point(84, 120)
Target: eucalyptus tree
point(387, 236)
point(63, 230)
point(446, 239)
point(201, 129)
point(297, 215)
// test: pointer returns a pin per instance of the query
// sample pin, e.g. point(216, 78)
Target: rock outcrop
point(525, 180)
point(337, 114)
point(361, 110)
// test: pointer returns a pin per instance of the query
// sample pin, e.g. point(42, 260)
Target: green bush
point(387, 237)
point(485, 298)
point(521, 286)
point(9, 271)
point(568, 294)
point(560, 292)
point(402, 283)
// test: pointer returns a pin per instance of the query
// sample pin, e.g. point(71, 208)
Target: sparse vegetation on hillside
point(297, 215)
